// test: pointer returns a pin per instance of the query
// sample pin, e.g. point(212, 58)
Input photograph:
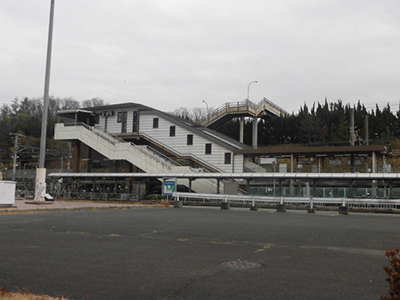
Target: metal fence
point(290, 201)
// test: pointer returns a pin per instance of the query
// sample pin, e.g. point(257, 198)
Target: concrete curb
point(15, 210)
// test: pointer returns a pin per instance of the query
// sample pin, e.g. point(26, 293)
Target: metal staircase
point(115, 148)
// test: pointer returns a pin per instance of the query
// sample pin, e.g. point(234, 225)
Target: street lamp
point(208, 115)
point(248, 88)
point(40, 185)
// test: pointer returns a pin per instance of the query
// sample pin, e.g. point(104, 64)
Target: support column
point(128, 181)
point(374, 163)
point(77, 156)
point(351, 194)
point(241, 130)
point(190, 185)
point(89, 161)
point(374, 170)
point(255, 133)
point(291, 163)
point(352, 167)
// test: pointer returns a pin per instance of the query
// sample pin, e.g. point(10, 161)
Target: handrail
point(249, 105)
point(113, 139)
point(177, 152)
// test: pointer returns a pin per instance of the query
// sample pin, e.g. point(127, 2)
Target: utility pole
point(16, 136)
point(352, 135)
point(366, 130)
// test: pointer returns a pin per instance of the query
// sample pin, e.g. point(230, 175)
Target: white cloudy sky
point(176, 53)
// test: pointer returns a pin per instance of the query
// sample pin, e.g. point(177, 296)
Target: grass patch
point(25, 295)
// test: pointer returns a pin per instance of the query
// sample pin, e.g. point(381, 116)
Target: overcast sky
point(176, 53)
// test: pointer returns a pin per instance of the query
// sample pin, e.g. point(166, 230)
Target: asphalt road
point(197, 253)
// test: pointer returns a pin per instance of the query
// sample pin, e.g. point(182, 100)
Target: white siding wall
point(113, 126)
point(179, 142)
point(238, 163)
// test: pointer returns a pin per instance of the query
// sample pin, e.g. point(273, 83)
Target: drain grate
point(241, 264)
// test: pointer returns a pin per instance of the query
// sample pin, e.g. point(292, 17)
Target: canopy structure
point(77, 116)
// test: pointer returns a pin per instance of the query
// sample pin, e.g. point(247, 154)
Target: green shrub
point(393, 272)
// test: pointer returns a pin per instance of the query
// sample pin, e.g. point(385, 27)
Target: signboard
point(267, 160)
point(335, 162)
point(169, 187)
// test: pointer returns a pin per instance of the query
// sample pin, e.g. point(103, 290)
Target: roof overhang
point(247, 176)
point(311, 151)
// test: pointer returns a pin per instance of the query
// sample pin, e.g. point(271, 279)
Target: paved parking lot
point(197, 253)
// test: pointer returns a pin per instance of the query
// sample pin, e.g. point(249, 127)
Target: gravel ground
point(23, 205)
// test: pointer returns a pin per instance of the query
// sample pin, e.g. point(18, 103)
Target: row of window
point(122, 117)
point(189, 141)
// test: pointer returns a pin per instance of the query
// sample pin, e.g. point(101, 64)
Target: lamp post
point(248, 89)
point(208, 115)
point(40, 186)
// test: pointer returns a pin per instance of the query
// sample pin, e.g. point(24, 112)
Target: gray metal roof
point(304, 176)
point(210, 134)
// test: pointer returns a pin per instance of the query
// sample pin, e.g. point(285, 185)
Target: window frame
point(189, 140)
point(208, 148)
point(227, 158)
point(172, 131)
point(155, 122)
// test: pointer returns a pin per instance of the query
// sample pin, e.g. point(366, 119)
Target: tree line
point(24, 117)
point(323, 124)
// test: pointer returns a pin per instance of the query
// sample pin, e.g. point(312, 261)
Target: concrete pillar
point(178, 204)
point(225, 204)
point(291, 163)
point(255, 133)
point(343, 210)
point(281, 208)
point(241, 130)
point(374, 163)
point(190, 185)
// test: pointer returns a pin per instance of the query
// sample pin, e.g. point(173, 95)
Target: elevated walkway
point(114, 148)
point(244, 108)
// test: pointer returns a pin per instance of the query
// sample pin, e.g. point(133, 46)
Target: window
point(208, 148)
point(119, 117)
point(155, 123)
point(228, 158)
point(96, 118)
point(172, 131)
point(189, 139)
point(135, 123)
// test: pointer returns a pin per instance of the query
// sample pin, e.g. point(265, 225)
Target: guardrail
point(307, 201)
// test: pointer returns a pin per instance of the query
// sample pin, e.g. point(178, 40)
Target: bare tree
point(93, 102)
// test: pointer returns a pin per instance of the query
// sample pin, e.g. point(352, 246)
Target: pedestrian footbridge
point(244, 108)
